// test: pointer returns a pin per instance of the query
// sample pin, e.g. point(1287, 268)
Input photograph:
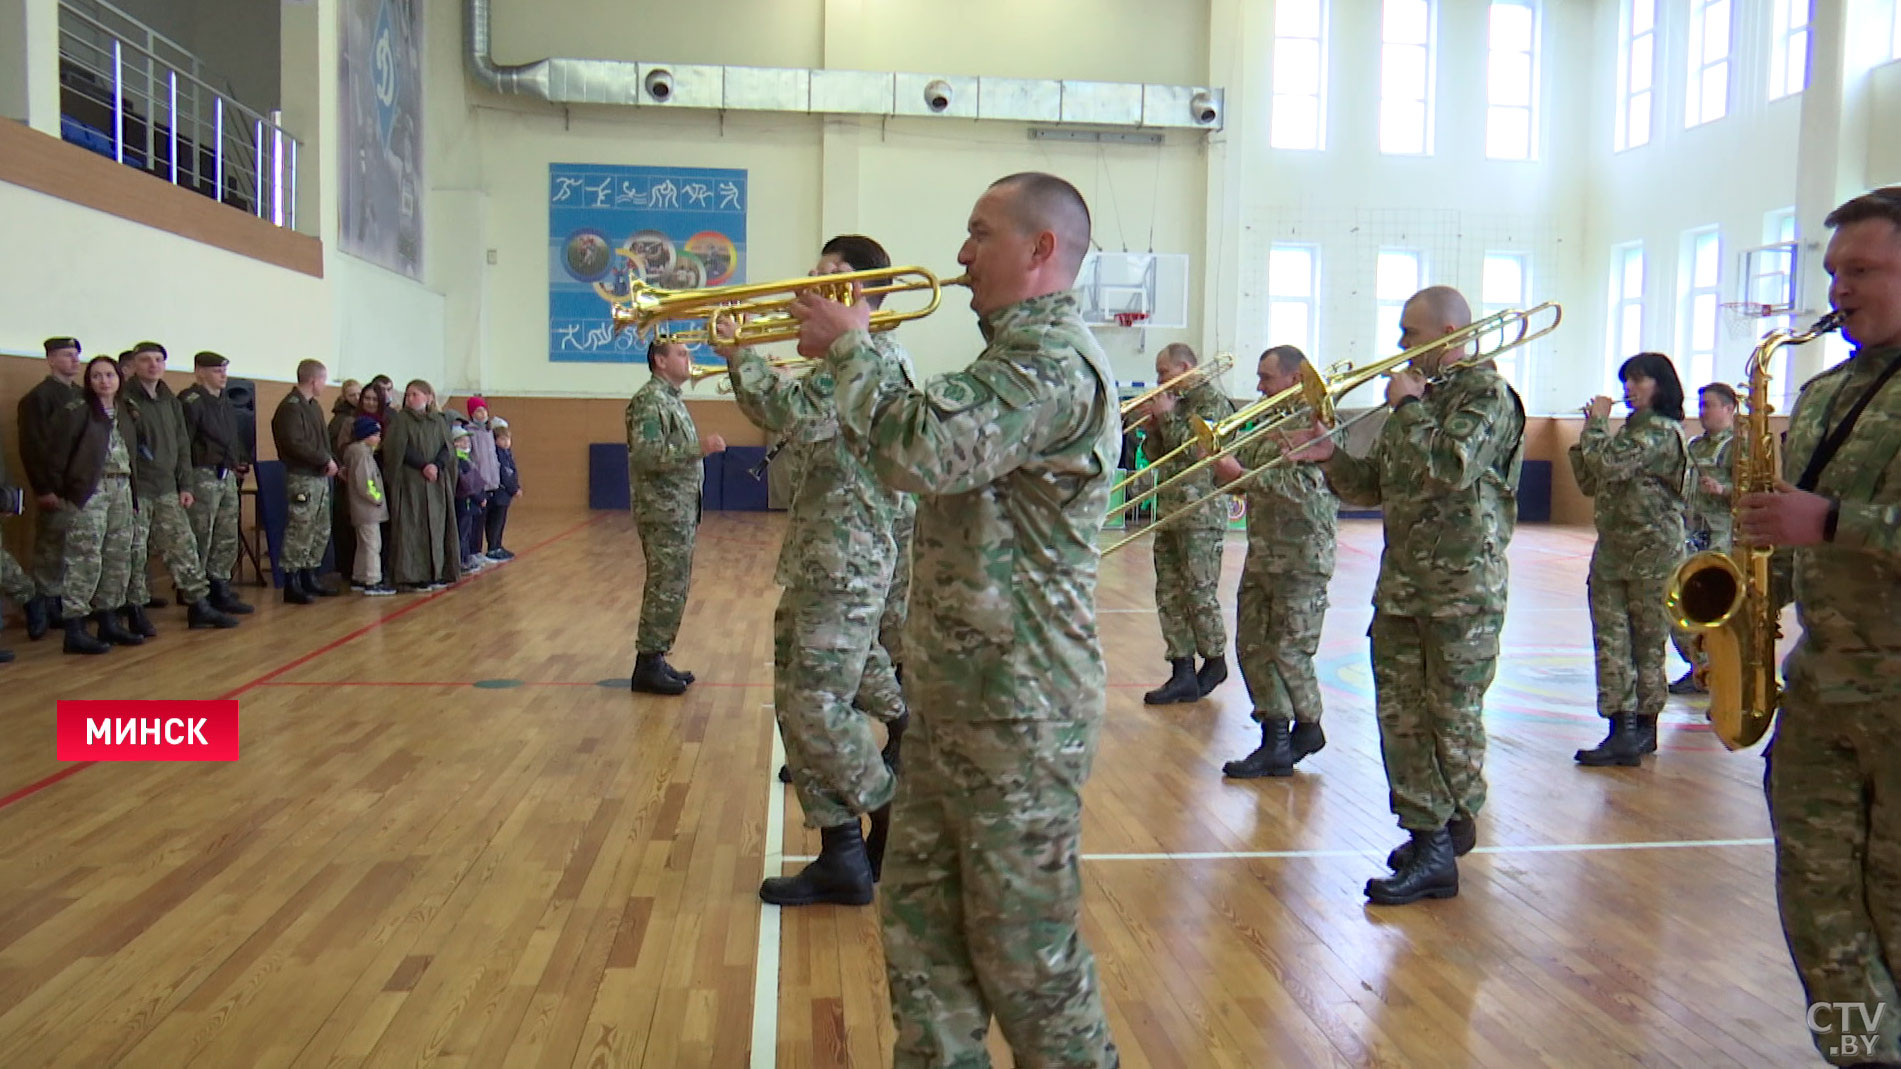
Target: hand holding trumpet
point(823, 321)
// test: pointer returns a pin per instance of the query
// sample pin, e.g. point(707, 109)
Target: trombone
point(1512, 326)
point(1214, 368)
point(759, 312)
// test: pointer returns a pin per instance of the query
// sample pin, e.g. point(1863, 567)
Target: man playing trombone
point(1188, 552)
point(1445, 471)
point(1282, 600)
point(835, 566)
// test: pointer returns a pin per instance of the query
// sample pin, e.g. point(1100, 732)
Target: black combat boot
point(893, 752)
point(650, 677)
point(875, 840)
point(39, 617)
point(839, 876)
point(1465, 836)
point(1431, 871)
point(1212, 673)
point(112, 631)
point(137, 622)
point(1274, 757)
point(223, 600)
point(314, 584)
point(1181, 686)
point(1619, 746)
point(202, 614)
point(1686, 684)
point(785, 773)
point(79, 641)
point(1308, 740)
point(684, 677)
point(1646, 739)
point(294, 592)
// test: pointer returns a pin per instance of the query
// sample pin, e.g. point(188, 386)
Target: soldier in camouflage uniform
point(161, 469)
point(1445, 469)
point(41, 411)
point(665, 468)
point(1708, 515)
point(1639, 476)
point(835, 566)
point(15, 584)
point(1282, 601)
point(1188, 552)
point(218, 465)
point(92, 452)
point(302, 435)
point(1835, 777)
point(1013, 456)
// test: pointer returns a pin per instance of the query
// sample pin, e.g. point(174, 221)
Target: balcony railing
point(128, 92)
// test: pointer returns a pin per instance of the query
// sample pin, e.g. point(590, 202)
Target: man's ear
point(1044, 249)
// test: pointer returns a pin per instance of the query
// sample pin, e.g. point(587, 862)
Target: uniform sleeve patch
point(951, 394)
point(1012, 385)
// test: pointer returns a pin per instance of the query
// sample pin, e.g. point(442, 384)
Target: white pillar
point(29, 63)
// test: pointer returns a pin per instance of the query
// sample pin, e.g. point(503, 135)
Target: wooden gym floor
point(453, 836)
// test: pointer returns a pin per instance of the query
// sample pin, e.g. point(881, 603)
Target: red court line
point(34, 788)
point(464, 683)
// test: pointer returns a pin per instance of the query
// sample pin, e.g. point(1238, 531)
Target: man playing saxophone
point(1835, 775)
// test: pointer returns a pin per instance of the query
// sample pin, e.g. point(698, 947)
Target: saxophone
point(1723, 598)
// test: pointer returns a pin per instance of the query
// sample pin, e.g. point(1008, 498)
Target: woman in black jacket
point(95, 472)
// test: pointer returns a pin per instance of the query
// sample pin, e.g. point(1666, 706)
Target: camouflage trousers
point(821, 643)
point(667, 545)
point(161, 524)
point(897, 606)
point(99, 550)
point(215, 518)
point(1629, 626)
point(15, 584)
point(49, 547)
point(1187, 573)
point(1429, 677)
point(1276, 633)
point(981, 900)
point(1835, 805)
point(307, 531)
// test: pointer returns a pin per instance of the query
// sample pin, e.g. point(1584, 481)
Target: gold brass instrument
point(792, 365)
point(1723, 598)
point(1318, 400)
point(1214, 368)
point(758, 311)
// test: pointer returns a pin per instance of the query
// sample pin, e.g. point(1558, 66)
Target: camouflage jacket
point(1848, 592)
point(1293, 517)
point(1710, 454)
point(1206, 401)
point(1445, 472)
point(664, 465)
point(1638, 476)
point(839, 534)
point(1014, 456)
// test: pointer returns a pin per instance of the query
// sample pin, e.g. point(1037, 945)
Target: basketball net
point(1742, 320)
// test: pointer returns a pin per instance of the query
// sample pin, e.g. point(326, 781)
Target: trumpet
point(1214, 368)
point(1512, 326)
point(759, 312)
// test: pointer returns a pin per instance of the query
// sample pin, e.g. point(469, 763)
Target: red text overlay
point(148, 731)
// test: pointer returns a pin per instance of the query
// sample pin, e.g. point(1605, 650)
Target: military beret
point(55, 344)
point(149, 347)
point(208, 359)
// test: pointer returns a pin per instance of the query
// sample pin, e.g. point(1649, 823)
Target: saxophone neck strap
point(1832, 442)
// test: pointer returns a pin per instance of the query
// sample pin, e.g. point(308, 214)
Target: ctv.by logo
point(1858, 1032)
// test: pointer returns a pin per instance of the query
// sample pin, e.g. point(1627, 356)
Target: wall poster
point(672, 227)
point(380, 129)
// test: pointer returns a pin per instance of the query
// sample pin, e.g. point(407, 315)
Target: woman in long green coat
point(419, 470)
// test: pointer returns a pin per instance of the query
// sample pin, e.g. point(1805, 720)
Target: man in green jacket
point(303, 444)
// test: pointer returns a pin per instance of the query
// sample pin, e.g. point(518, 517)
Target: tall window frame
point(1511, 80)
point(1293, 295)
point(1699, 303)
point(1299, 118)
point(1505, 282)
point(1636, 75)
point(1406, 77)
point(1789, 47)
point(1398, 273)
point(1706, 90)
point(1625, 331)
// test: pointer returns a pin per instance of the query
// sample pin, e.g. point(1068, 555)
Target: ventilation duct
point(687, 85)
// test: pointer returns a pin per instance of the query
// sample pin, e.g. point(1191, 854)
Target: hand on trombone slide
point(1315, 443)
point(1405, 383)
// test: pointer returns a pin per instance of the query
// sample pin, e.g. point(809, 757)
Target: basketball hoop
point(1741, 319)
point(1129, 319)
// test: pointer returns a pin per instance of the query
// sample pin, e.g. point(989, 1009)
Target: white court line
point(765, 987)
point(1535, 848)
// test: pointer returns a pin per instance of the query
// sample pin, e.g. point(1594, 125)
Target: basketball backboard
point(1769, 278)
point(1129, 288)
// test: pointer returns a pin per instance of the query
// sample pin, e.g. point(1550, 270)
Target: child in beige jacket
point(367, 508)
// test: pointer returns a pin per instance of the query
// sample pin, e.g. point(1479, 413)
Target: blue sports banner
point(672, 227)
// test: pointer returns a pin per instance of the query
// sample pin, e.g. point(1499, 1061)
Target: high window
point(1510, 81)
point(1293, 282)
point(1698, 284)
point(1789, 48)
point(1406, 78)
point(1300, 75)
point(1706, 93)
point(1636, 74)
point(1626, 331)
point(1504, 280)
point(1396, 278)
